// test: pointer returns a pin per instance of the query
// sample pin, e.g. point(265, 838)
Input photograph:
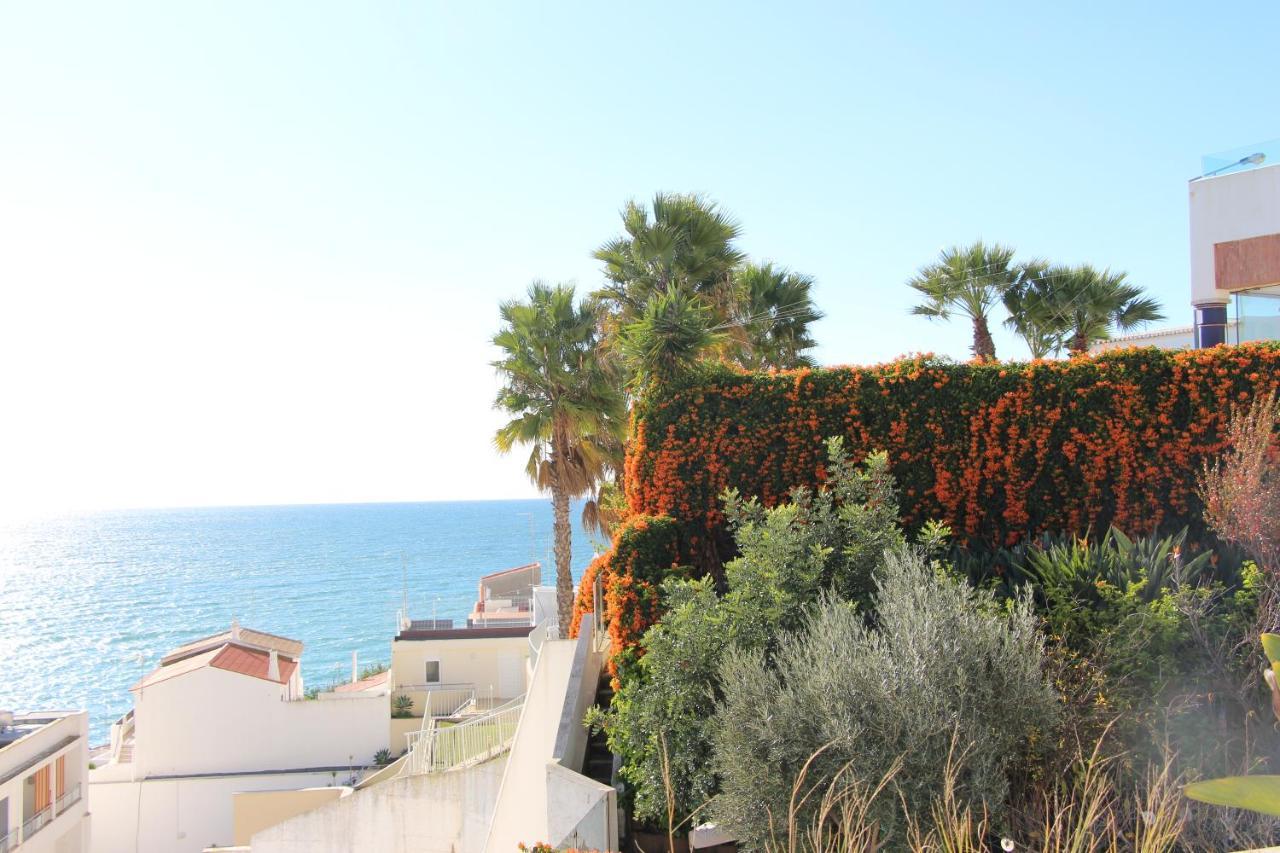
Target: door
point(510, 676)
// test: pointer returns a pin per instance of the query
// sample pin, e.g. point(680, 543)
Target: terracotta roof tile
point(251, 662)
point(363, 684)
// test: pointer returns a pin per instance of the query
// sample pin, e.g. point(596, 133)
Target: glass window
point(433, 672)
point(1258, 314)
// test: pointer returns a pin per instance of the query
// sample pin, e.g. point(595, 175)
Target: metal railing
point(121, 732)
point(440, 700)
point(37, 822)
point(10, 841)
point(69, 798)
point(438, 748)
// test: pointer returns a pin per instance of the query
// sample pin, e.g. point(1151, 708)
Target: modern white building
point(222, 715)
point(443, 670)
point(1235, 245)
point(43, 760)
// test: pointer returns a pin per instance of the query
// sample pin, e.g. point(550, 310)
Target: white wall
point(179, 815)
point(521, 811)
point(431, 813)
point(214, 721)
point(490, 661)
point(1180, 338)
point(1229, 207)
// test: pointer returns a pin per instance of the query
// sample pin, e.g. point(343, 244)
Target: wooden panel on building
point(1245, 264)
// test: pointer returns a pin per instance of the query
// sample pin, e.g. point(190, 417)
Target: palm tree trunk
point(563, 538)
point(1079, 342)
point(984, 346)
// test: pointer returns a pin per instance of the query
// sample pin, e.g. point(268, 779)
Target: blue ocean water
point(89, 603)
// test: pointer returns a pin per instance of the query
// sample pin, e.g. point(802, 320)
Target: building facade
point(1235, 246)
point(222, 715)
point(43, 761)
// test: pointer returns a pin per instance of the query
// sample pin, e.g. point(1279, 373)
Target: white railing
point(539, 635)
point(68, 799)
point(10, 841)
point(437, 700)
point(121, 732)
point(37, 822)
point(438, 747)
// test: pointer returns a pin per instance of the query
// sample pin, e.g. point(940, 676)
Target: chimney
point(273, 666)
point(235, 630)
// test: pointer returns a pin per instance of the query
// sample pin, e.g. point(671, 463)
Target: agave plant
point(1122, 562)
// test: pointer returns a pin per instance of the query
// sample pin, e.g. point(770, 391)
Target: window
point(433, 672)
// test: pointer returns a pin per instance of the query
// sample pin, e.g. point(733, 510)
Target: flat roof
point(466, 633)
point(527, 567)
point(24, 725)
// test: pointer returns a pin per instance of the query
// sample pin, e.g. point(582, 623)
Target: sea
point(89, 603)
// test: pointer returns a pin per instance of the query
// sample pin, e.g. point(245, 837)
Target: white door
point(510, 676)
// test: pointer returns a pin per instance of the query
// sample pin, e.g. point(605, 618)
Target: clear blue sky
point(252, 252)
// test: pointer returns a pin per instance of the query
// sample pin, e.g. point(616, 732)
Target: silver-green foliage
point(944, 672)
point(789, 556)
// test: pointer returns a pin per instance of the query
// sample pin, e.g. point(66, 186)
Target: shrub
point(382, 757)
point(944, 673)
point(402, 706)
point(831, 540)
point(1241, 490)
point(372, 669)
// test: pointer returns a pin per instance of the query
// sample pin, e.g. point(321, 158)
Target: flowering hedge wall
point(998, 451)
point(646, 550)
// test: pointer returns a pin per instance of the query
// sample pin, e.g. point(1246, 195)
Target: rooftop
point(15, 727)
point(1240, 159)
point(240, 650)
point(476, 633)
point(242, 636)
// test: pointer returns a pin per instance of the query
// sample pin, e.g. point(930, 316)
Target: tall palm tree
point(1033, 315)
point(566, 403)
point(967, 280)
point(774, 310)
point(687, 241)
point(1090, 303)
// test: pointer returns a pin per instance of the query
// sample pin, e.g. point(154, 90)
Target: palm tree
point(673, 333)
point(567, 405)
point(967, 280)
point(687, 242)
point(774, 308)
point(1032, 312)
point(1089, 303)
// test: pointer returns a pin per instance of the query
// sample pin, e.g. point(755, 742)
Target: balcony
point(68, 799)
point(9, 842)
point(37, 822)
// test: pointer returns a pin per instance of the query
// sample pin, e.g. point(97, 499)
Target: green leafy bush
point(944, 673)
point(829, 540)
point(402, 706)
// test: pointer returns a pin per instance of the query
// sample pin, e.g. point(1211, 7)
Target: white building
point(223, 715)
point(443, 670)
point(43, 758)
point(1235, 245)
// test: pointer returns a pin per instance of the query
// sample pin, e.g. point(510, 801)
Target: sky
point(253, 252)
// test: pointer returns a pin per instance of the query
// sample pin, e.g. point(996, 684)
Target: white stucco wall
point(214, 721)
point(1229, 207)
point(521, 811)
point(497, 662)
point(432, 813)
point(179, 815)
